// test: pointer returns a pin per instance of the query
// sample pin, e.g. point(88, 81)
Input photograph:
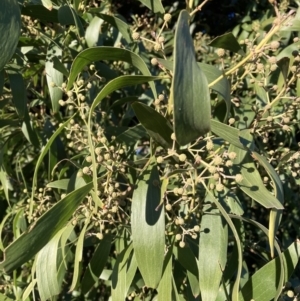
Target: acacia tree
point(140, 162)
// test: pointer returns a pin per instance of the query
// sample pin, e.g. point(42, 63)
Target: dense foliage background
point(149, 150)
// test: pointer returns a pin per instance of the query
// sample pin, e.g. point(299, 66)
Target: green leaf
point(40, 12)
point(92, 32)
point(263, 284)
point(226, 132)
point(68, 16)
point(5, 298)
point(252, 183)
point(157, 126)
point(119, 275)
point(212, 255)
point(227, 41)
point(148, 225)
point(18, 92)
point(154, 5)
point(47, 4)
point(111, 54)
point(78, 255)
point(10, 28)
point(97, 264)
point(123, 28)
point(275, 215)
point(41, 231)
point(165, 285)
point(222, 87)
point(41, 157)
point(189, 91)
point(132, 135)
point(54, 77)
point(210, 198)
point(46, 268)
point(187, 259)
point(212, 73)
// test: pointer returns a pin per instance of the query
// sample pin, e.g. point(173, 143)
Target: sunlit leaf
point(41, 231)
point(189, 91)
point(46, 268)
point(148, 225)
point(54, 77)
point(212, 255)
point(111, 54)
point(252, 183)
point(263, 284)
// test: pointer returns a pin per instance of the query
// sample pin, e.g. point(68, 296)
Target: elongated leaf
point(40, 232)
point(97, 264)
point(54, 77)
point(227, 41)
point(212, 255)
point(212, 73)
point(119, 275)
point(187, 259)
point(132, 135)
point(275, 215)
point(222, 87)
point(252, 183)
point(47, 4)
point(263, 284)
point(154, 5)
point(92, 32)
point(78, 256)
point(123, 28)
point(157, 126)
point(68, 16)
point(148, 225)
point(46, 269)
point(131, 272)
point(10, 27)
point(235, 290)
point(18, 91)
point(40, 12)
point(41, 157)
point(111, 54)
point(165, 285)
point(28, 290)
point(189, 91)
point(227, 132)
point(5, 298)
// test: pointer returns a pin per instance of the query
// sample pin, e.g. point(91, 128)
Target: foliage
point(146, 160)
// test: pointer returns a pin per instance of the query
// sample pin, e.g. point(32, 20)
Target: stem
point(263, 42)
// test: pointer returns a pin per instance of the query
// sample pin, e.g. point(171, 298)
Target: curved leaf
point(119, 275)
point(252, 183)
point(10, 27)
point(97, 264)
point(46, 268)
point(111, 54)
point(154, 5)
point(54, 77)
point(157, 126)
point(189, 91)
point(263, 284)
point(212, 255)
point(227, 41)
point(40, 232)
point(148, 225)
